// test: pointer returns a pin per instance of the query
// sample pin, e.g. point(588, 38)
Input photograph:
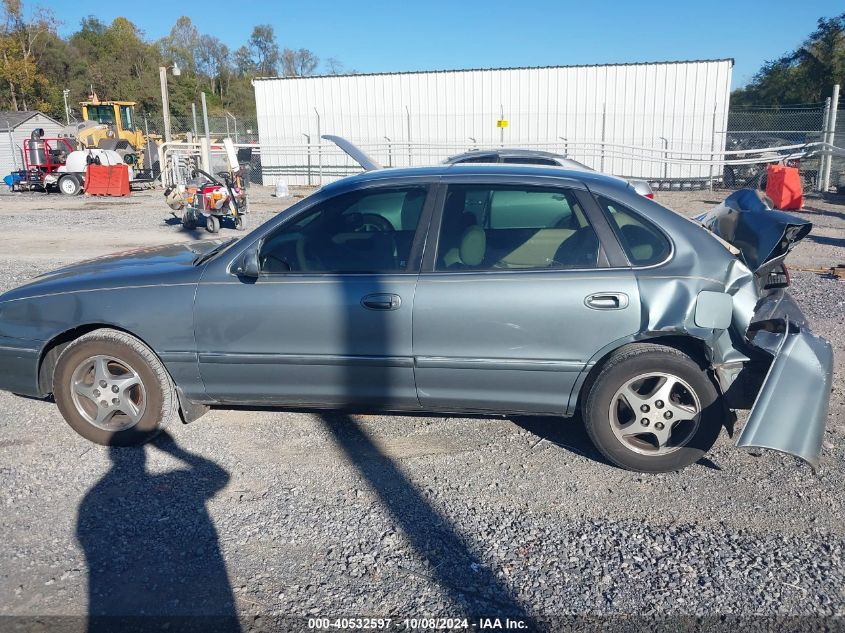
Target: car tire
point(212, 224)
point(69, 185)
point(638, 370)
point(98, 369)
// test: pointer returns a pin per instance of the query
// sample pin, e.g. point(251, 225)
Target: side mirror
point(247, 265)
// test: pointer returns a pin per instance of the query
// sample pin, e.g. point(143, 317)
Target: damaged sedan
point(479, 288)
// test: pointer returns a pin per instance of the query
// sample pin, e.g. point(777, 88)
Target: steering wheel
point(374, 223)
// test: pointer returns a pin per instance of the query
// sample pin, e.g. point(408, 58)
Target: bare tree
point(300, 63)
point(265, 50)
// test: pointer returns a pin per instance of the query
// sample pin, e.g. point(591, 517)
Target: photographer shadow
point(152, 551)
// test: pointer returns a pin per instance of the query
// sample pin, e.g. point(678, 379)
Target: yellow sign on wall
point(502, 123)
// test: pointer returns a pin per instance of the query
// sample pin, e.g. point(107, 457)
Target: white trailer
point(591, 113)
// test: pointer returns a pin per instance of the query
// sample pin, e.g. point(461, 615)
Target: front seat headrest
point(473, 246)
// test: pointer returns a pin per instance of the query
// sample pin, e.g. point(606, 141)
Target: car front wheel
point(112, 389)
point(652, 408)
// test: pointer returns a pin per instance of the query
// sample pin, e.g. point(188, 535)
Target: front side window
point(503, 227)
point(643, 243)
point(358, 232)
point(126, 118)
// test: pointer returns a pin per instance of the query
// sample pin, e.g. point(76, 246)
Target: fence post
point(194, 113)
point(207, 131)
point(319, 149)
point(713, 147)
point(308, 159)
point(823, 157)
point(389, 152)
point(829, 137)
point(603, 130)
point(665, 157)
point(408, 116)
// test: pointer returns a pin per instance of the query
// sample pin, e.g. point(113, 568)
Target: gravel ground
point(264, 514)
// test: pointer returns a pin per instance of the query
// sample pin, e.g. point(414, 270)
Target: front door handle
point(382, 301)
point(607, 301)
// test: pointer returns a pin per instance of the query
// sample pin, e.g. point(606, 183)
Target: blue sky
point(399, 35)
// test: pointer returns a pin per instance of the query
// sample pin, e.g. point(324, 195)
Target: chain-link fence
point(754, 138)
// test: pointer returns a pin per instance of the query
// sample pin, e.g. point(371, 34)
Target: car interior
point(491, 228)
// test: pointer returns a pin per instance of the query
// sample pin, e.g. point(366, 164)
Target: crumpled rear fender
point(790, 412)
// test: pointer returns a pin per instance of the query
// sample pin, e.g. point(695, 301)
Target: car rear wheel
point(653, 409)
point(112, 389)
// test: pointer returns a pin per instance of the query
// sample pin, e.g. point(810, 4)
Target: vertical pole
point(235, 122)
point(713, 147)
point(823, 158)
point(308, 150)
point(831, 132)
point(319, 149)
point(12, 144)
point(165, 102)
point(194, 114)
point(227, 126)
point(408, 115)
point(207, 131)
point(65, 93)
point(603, 130)
point(389, 152)
point(146, 126)
point(501, 129)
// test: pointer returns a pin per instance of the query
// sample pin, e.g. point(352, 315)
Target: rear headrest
point(473, 246)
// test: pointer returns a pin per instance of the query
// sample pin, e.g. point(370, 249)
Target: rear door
point(523, 285)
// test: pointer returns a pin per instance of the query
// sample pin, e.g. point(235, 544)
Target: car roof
point(479, 169)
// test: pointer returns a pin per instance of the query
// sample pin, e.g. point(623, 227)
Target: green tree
point(805, 75)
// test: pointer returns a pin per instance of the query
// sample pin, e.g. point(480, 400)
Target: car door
point(328, 320)
point(525, 284)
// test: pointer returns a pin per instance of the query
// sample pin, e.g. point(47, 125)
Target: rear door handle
point(382, 301)
point(607, 301)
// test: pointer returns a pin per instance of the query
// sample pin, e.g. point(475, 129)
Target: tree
point(21, 45)
point(805, 75)
point(180, 46)
point(265, 50)
point(300, 63)
point(243, 62)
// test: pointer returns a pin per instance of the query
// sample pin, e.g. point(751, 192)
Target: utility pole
point(165, 98)
point(65, 94)
point(829, 138)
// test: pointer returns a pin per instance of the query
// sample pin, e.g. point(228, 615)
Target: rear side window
point(504, 227)
point(643, 242)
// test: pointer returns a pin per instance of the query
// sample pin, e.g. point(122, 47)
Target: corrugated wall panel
point(673, 106)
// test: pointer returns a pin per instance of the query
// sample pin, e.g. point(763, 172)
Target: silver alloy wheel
point(108, 393)
point(655, 413)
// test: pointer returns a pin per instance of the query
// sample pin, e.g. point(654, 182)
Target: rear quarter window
point(643, 242)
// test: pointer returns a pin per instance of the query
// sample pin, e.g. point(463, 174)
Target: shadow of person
point(152, 550)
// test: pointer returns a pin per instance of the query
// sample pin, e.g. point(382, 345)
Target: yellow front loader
point(112, 125)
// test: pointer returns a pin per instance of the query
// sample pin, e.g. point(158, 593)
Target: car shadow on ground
point(451, 559)
point(152, 551)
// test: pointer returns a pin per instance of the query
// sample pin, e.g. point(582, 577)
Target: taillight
point(778, 278)
point(650, 195)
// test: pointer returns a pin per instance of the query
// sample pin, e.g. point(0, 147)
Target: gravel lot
point(266, 513)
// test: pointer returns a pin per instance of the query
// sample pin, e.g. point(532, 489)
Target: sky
point(393, 36)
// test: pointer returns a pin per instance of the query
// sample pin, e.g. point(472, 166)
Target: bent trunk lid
point(762, 235)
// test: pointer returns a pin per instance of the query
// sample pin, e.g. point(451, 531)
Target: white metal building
point(17, 126)
point(592, 113)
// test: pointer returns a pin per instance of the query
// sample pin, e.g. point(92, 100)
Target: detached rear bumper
point(790, 412)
